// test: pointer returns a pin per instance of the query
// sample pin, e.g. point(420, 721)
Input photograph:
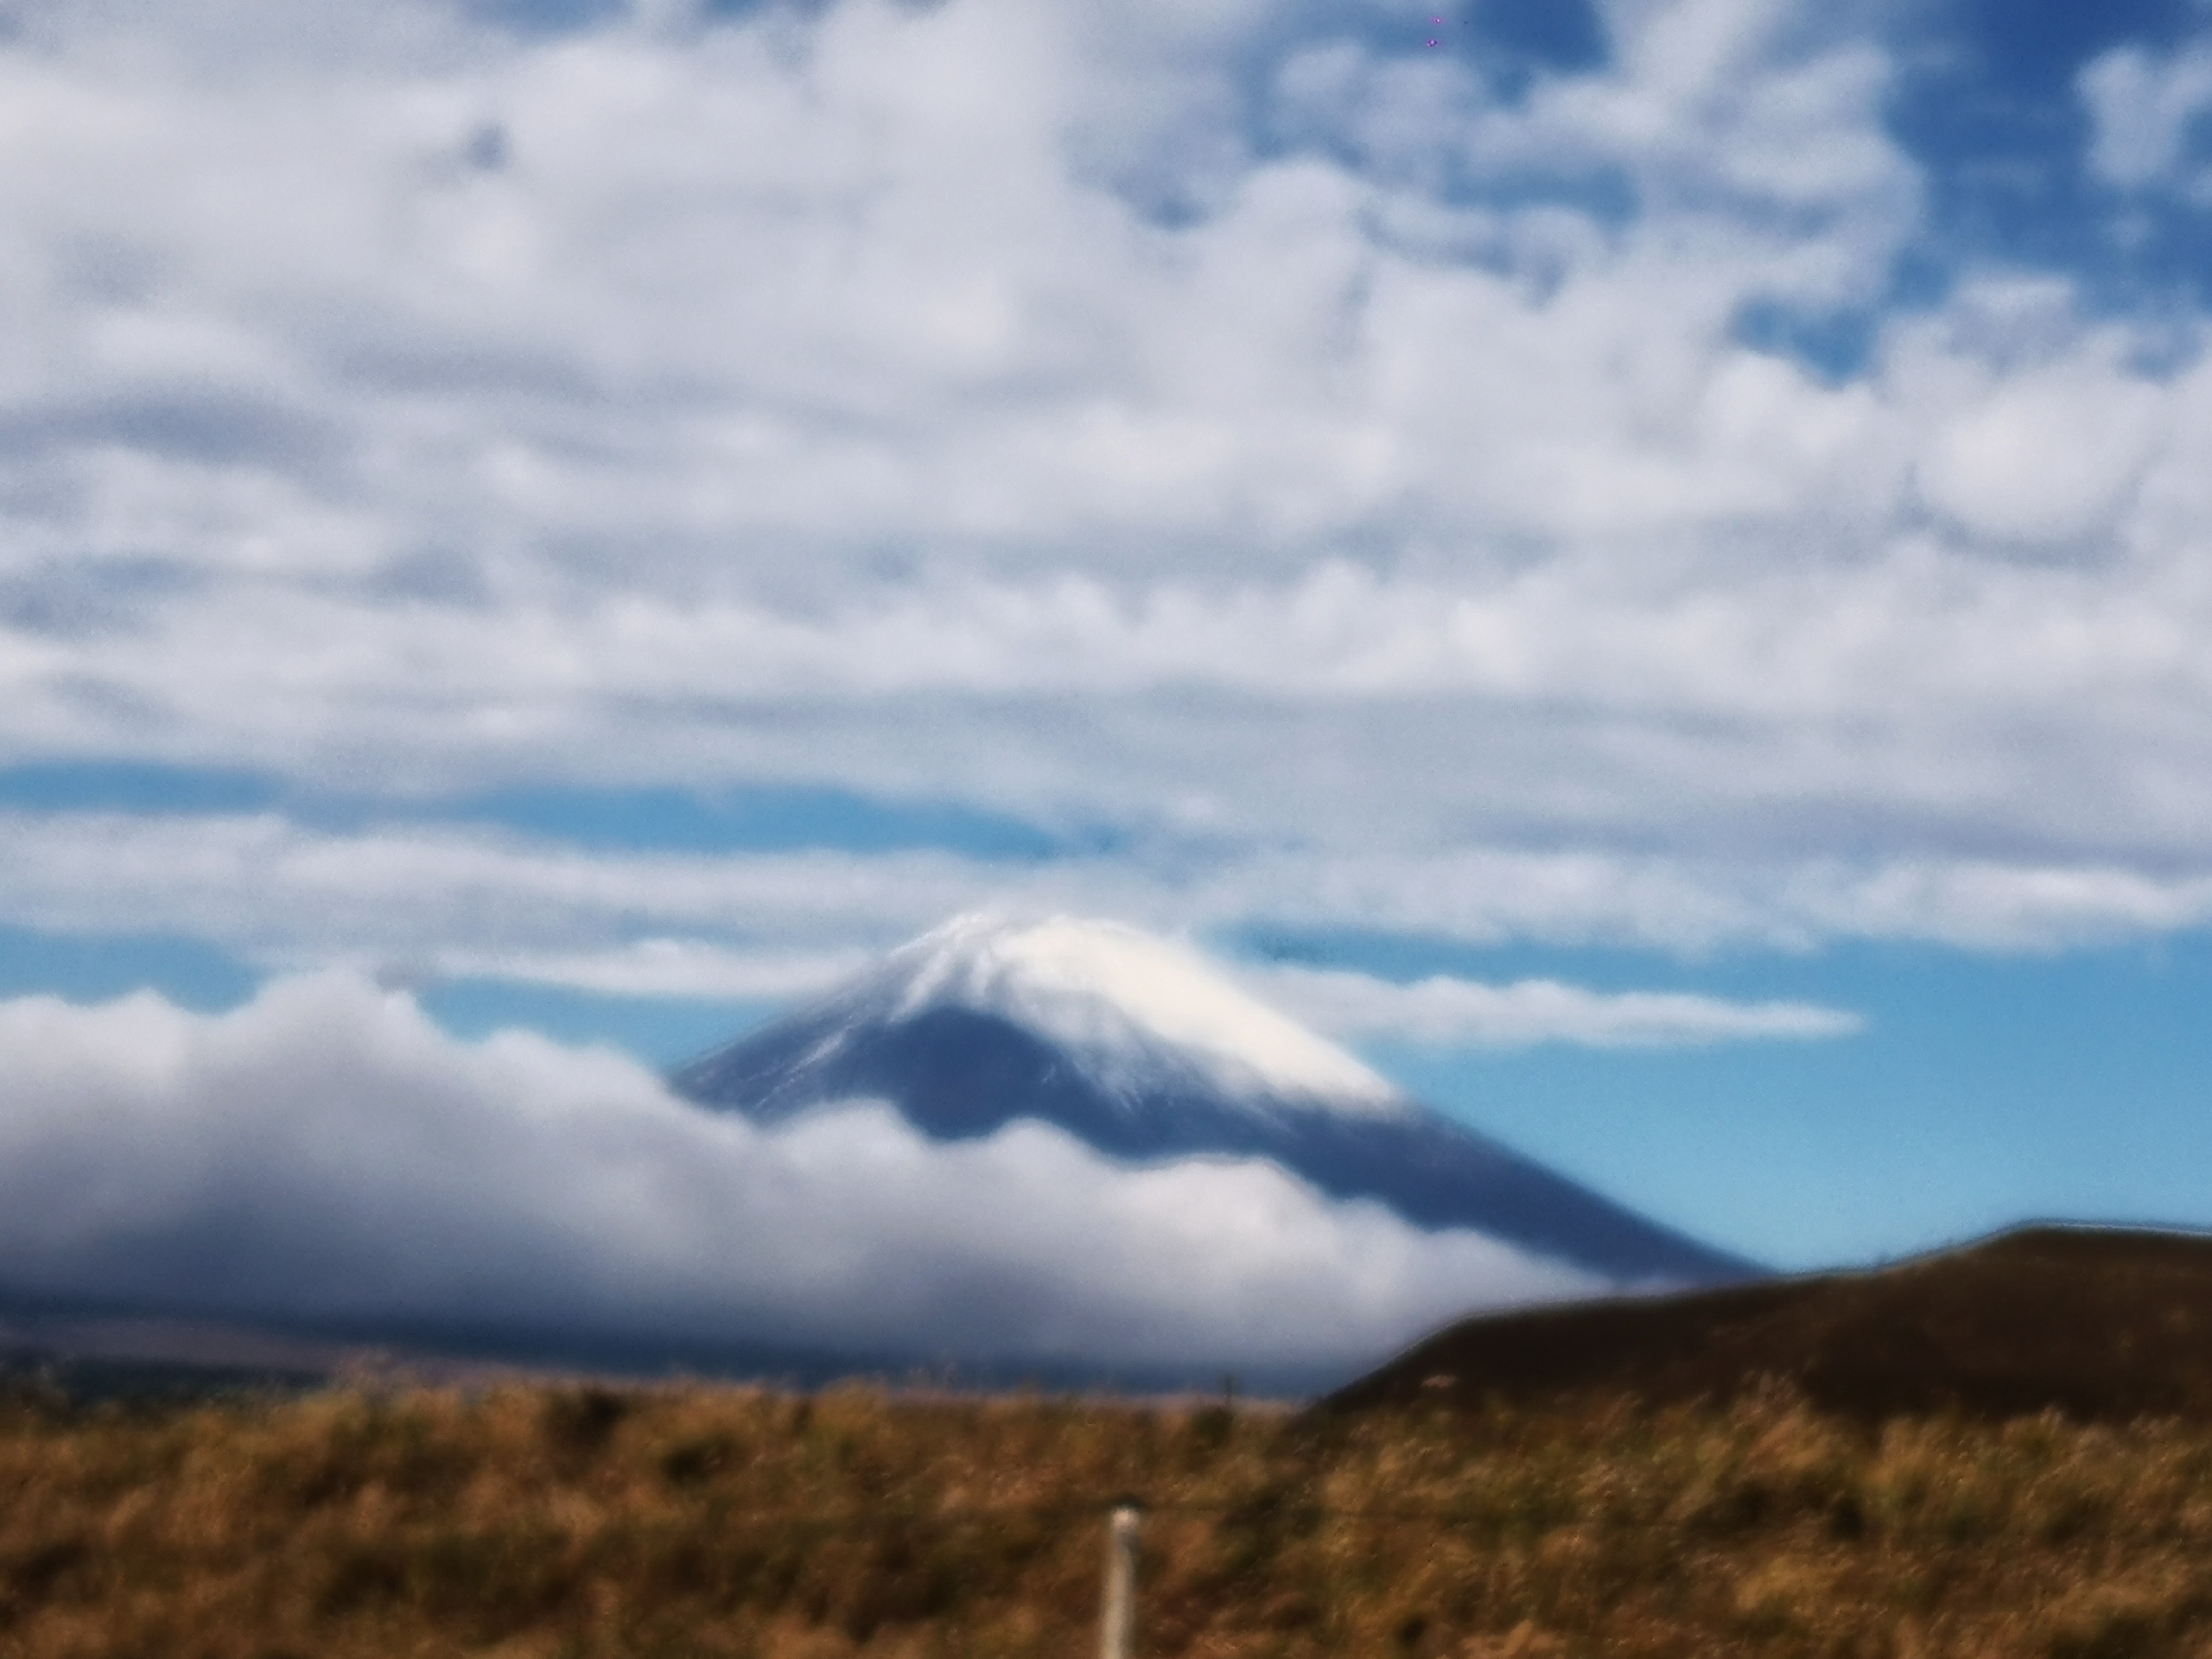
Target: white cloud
point(2143, 105)
point(1350, 1006)
point(828, 398)
point(2048, 455)
point(325, 1153)
point(415, 904)
point(738, 296)
point(1444, 1010)
point(646, 968)
point(253, 881)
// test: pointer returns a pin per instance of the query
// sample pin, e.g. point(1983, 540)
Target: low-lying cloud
point(325, 1153)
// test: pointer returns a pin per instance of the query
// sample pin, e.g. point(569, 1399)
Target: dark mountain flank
point(2101, 1325)
point(1142, 1051)
point(956, 1075)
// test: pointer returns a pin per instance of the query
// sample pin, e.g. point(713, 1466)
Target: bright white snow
point(1118, 996)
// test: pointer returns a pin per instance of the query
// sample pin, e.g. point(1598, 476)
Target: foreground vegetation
point(581, 1523)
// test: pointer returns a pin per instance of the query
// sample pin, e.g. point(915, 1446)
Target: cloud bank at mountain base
point(324, 1154)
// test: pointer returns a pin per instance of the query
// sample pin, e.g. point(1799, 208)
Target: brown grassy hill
point(2100, 1325)
point(704, 1523)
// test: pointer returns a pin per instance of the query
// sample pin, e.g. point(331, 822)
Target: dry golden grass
point(565, 1523)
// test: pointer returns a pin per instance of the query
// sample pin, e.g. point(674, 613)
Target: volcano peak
point(1115, 994)
point(1139, 1048)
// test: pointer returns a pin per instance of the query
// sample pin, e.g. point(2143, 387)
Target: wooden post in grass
point(1119, 1612)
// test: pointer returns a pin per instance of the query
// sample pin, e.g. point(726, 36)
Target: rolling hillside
point(2098, 1324)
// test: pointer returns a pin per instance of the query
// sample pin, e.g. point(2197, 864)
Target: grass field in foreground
point(696, 1521)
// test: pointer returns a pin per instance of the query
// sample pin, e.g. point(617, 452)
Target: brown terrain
point(2100, 1325)
point(1559, 1507)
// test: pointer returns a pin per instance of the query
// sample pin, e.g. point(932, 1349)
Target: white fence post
point(1119, 1612)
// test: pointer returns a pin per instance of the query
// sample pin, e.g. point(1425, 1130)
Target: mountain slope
point(1139, 1049)
point(2106, 1325)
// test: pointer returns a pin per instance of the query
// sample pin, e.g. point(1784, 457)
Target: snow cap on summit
point(1101, 986)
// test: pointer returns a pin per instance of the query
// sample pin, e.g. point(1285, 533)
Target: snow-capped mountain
point(1137, 1046)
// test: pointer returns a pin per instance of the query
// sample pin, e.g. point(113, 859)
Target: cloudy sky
point(1648, 563)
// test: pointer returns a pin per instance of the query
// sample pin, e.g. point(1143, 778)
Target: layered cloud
point(417, 903)
point(1376, 484)
point(325, 1154)
point(1356, 1007)
point(1441, 1010)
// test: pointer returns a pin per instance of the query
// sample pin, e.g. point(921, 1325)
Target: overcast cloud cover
point(1190, 420)
point(666, 500)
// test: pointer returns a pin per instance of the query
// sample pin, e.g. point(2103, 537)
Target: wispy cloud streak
point(1451, 1012)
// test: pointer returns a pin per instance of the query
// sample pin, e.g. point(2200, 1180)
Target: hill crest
point(2101, 1324)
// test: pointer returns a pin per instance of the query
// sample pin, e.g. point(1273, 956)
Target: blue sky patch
point(662, 1032)
point(138, 786)
point(1987, 103)
point(1983, 1090)
point(93, 967)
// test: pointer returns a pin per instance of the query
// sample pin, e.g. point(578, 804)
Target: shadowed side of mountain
point(954, 1074)
point(2100, 1324)
point(957, 1073)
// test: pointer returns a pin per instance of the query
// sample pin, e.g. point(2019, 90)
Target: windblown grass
point(575, 1523)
